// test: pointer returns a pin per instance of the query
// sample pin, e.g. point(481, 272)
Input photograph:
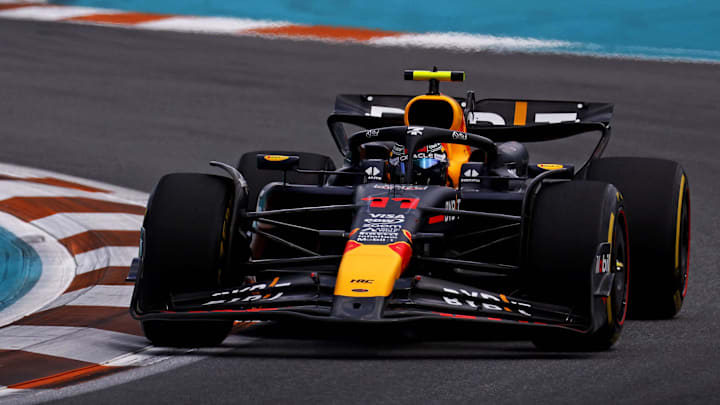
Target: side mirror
point(277, 162)
point(536, 169)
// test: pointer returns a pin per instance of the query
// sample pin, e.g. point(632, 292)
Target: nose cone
point(366, 278)
point(371, 270)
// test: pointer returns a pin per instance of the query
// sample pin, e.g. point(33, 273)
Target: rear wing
point(375, 111)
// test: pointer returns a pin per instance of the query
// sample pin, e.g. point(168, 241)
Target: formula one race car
point(436, 214)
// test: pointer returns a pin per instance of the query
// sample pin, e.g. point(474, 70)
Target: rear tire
point(570, 221)
point(657, 198)
point(185, 232)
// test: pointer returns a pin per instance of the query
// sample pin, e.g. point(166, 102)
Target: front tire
point(569, 223)
point(185, 236)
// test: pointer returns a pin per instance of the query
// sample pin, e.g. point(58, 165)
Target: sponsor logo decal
point(492, 118)
point(430, 155)
point(461, 297)
point(381, 228)
point(435, 147)
point(452, 205)
point(399, 187)
point(372, 133)
point(415, 131)
point(372, 171)
point(248, 293)
point(378, 110)
point(603, 263)
point(398, 154)
point(481, 116)
point(386, 218)
point(459, 135)
point(471, 173)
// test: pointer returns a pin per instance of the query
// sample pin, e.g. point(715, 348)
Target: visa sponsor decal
point(381, 228)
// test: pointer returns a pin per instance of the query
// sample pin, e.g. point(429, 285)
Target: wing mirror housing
point(277, 162)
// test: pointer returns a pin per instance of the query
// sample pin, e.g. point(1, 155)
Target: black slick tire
point(657, 200)
point(569, 222)
point(185, 231)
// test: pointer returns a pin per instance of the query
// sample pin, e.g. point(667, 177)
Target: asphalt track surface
point(126, 106)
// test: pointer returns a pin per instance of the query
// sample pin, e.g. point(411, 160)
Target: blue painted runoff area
point(682, 29)
point(20, 268)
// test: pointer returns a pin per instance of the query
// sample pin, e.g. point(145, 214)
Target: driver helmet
point(430, 164)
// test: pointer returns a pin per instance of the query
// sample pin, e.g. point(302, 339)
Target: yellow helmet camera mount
point(435, 77)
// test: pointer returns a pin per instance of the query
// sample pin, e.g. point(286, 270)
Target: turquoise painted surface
point(20, 268)
point(653, 28)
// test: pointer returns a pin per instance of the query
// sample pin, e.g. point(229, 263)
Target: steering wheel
point(415, 137)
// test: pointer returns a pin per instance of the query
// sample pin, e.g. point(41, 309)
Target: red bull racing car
point(437, 214)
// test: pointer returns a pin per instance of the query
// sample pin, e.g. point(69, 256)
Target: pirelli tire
point(571, 223)
point(657, 199)
point(185, 236)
